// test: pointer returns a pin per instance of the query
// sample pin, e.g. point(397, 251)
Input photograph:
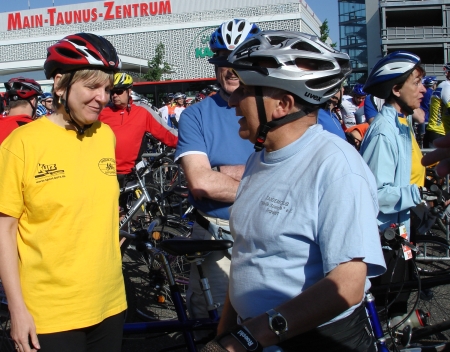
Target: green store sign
point(204, 51)
point(201, 53)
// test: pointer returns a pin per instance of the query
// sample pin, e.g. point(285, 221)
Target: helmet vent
point(320, 83)
point(230, 25)
point(305, 47)
point(94, 54)
point(275, 40)
point(228, 38)
point(241, 26)
point(68, 53)
point(78, 42)
point(345, 66)
point(237, 39)
point(249, 44)
point(309, 64)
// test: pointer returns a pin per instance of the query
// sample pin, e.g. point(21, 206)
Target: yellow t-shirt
point(417, 169)
point(63, 189)
point(439, 116)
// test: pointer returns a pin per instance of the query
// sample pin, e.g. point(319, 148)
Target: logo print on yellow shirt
point(107, 166)
point(46, 172)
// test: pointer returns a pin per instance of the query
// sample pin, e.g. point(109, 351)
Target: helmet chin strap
point(403, 106)
point(265, 127)
point(80, 130)
point(129, 101)
point(33, 108)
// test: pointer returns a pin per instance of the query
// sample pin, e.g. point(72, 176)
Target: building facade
point(371, 29)
point(353, 36)
point(136, 28)
point(417, 26)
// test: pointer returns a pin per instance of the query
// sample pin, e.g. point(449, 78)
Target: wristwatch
point(277, 324)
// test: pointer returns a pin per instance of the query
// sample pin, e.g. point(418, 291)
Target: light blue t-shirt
point(299, 212)
point(211, 128)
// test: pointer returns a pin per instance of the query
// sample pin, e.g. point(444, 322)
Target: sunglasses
point(48, 101)
point(117, 91)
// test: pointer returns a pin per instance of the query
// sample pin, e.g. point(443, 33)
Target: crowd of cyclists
point(266, 154)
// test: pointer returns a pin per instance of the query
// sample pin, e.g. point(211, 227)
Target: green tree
point(324, 33)
point(157, 66)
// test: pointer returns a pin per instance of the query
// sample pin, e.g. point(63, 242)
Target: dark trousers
point(350, 334)
point(105, 336)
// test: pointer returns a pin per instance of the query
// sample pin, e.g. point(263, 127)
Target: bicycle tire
point(166, 176)
point(6, 343)
point(433, 298)
point(147, 289)
point(434, 301)
point(433, 247)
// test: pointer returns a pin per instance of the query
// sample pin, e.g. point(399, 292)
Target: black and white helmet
point(293, 61)
point(135, 96)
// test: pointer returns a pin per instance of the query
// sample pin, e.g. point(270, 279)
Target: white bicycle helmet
point(300, 64)
point(232, 33)
point(295, 62)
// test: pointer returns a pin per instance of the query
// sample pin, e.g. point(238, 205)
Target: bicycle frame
point(141, 200)
point(183, 323)
point(375, 322)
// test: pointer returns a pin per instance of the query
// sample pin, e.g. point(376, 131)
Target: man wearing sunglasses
point(300, 265)
point(130, 122)
point(47, 102)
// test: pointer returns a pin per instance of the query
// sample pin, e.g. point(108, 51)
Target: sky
point(324, 9)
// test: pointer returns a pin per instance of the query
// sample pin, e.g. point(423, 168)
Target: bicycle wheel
point(148, 292)
point(168, 175)
point(433, 257)
point(434, 301)
point(433, 298)
point(6, 343)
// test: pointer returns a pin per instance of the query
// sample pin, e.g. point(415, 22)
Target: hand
point(223, 343)
point(23, 330)
point(441, 155)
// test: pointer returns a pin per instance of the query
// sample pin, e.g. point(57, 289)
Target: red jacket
point(130, 126)
point(10, 123)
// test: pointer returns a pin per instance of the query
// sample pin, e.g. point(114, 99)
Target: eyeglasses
point(117, 91)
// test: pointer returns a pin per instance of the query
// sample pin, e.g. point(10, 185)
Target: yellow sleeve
point(12, 166)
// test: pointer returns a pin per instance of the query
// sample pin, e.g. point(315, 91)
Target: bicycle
point(145, 200)
point(193, 251)
point(434, 254)
point(148, 292)
point(425, 325)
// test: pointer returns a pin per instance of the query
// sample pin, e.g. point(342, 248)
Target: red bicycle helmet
point(81, 50)
point(21, 88)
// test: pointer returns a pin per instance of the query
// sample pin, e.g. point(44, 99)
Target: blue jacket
point(387, 149)
point(330, 123)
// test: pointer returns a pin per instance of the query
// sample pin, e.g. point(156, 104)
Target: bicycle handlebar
point(390, 235)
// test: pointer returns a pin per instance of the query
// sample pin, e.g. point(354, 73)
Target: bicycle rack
point(447, 256)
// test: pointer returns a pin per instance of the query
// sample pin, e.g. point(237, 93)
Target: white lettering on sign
point(110, 11)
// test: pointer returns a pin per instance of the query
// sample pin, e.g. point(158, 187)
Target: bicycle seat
point(187, 246)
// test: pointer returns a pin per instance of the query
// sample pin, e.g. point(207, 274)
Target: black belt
point(204, 222)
